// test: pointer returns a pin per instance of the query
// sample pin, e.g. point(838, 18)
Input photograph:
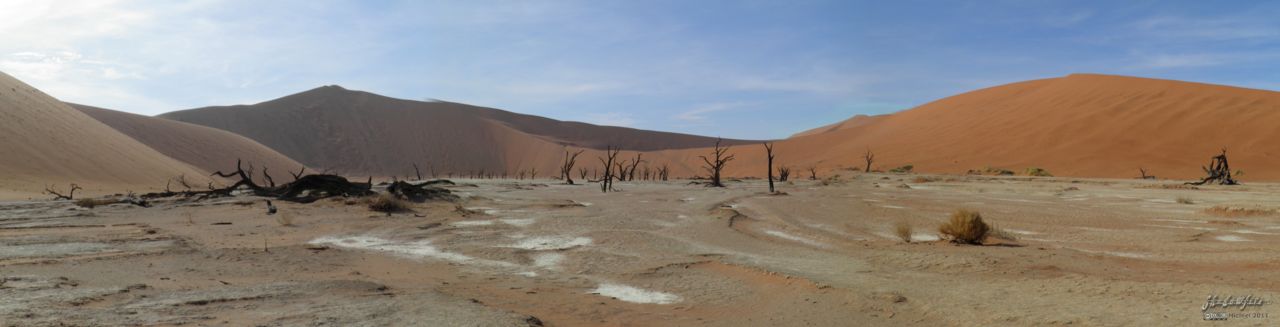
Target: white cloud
point(699, 114)
point(611, 119)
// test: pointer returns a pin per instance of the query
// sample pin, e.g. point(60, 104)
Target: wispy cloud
point(621, 119)
point(699, 114)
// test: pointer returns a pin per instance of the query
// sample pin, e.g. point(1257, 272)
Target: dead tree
point(582, 173)
point(663, 172)
point(1218, 171)
point(566, 169)
point(1144, 175)
point(71, 195)
point(869, 158)
point(620, 170)
point(606, 182)
point(647, 172)
point(298, 175)
point(533, 173)
point(768, 148)
point(716, 165)
point(270, 181)
point(417, 172)
point(631, 172)
point(784, 173)
point(813, 172)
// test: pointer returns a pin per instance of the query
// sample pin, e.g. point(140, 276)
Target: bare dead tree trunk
point(533, 173)
point(270, 181)
point(663, 172)
point(1218, 171)
point(417, 172)
point(714, 167)
point(606, 183)
point(299, 174)
point(1144, 173)
point(768, 148)
point(631, 172)
point(566, 170)
point(582, 173)
point(813, 173)
point(71, 195)
point(784, 173)
point(869, 158)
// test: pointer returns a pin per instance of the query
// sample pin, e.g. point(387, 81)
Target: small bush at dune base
point(387, 203)
point(1185, 200)
point(1034, 171)
point(903, 230)
point(965, 227)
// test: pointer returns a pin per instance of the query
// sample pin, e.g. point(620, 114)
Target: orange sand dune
point(43, 141)
point(359, 133)
point(209, 149)
point(1078, 125)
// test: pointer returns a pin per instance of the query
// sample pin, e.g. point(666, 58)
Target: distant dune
point(209, 149)
point(360, 133)
point(1078, 125)
point(46, 142)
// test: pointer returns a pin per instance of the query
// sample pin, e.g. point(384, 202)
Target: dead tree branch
point(716, 166)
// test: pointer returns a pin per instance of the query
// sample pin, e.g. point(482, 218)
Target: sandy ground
point(1089, 252)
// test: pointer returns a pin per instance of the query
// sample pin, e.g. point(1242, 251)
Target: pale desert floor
point(1090, 252)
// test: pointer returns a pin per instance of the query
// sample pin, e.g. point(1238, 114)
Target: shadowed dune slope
point(359, 133)
point(44, 141)
point(209, 149)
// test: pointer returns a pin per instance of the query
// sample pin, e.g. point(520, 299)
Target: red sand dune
point(45, 142)
point(209, 149)
point(1078, 125)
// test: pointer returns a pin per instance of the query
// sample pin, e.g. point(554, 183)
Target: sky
point(736, 69)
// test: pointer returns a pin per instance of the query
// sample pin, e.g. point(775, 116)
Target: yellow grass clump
point(903, 230)
point(387, 203)
point(965, 227)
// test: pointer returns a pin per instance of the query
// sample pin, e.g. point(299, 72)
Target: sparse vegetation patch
point(1229, 211)
point(965, 227)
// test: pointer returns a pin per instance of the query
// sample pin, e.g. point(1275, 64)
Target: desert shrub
point(922, 180)
point(965, 227)
point(1184, 200)
point(1036, 171)
point(833, 179)
point(387, 203)
point(1228, 211)
point(903, 169)
point(990, 171)
point(90, 203)
point(903, 230)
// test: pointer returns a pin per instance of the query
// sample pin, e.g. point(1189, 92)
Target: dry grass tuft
point(1227, 211)
point(1185, 200)
point(922, 180)
point(903, 230)
point(833, 180)
point(90, 203)
point(1037, 171)
point(965, 227)
point(387, 203)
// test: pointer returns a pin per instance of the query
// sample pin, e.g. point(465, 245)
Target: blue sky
point(741, 69)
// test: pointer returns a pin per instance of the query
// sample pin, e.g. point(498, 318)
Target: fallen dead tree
point(421, 192)
point(304, 189)
point(1218, 171)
